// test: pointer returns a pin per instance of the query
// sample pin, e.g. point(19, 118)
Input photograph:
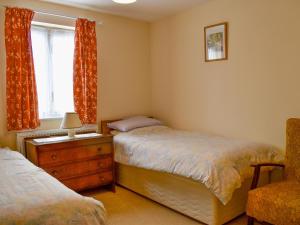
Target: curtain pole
point(57, 15)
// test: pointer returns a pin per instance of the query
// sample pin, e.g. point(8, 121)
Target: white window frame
point(50, 27)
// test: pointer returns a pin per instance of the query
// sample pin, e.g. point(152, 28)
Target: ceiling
point(148, 10)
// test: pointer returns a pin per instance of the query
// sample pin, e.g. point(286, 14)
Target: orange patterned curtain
point(21, 94)
point(85, 71)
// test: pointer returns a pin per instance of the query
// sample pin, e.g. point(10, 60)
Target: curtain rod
point(57, 15)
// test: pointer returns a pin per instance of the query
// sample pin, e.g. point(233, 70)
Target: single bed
point(202, 176)
point(28, 195)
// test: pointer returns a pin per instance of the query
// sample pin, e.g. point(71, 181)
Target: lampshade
point(70, 121)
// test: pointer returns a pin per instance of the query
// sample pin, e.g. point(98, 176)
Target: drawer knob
point(101, 165)
point(102, 178)
point(99, 149)
point(54, 172)
point(54, 156)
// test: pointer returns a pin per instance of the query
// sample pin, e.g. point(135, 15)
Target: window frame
point(50, 27)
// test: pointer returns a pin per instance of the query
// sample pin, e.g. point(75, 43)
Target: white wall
point(249, 96)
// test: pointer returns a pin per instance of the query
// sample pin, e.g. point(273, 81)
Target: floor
point(127, 208)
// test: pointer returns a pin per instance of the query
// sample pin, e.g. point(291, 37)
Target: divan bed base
point(184, 195)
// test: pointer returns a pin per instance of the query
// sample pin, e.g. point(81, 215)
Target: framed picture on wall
point(216, 42)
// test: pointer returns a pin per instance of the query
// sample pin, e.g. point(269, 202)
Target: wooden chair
point(279, 203)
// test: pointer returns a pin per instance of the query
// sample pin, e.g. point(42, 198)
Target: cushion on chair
point(277, 203)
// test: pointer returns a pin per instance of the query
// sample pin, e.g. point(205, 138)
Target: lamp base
point(71, 133)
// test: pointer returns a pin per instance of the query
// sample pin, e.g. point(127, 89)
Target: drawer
point(80, 168)
point(90, 181)
point(72, 154)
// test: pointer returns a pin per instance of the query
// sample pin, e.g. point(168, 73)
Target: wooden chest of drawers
point(80, 164)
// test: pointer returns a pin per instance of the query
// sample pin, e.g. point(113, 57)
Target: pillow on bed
point(133, 122)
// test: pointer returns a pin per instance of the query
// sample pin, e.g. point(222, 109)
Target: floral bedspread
point(29, 196)
point(220, 163)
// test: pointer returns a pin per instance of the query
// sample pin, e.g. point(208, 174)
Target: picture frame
point(216, 42)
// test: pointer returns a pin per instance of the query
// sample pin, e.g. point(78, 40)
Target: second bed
point(205, 177)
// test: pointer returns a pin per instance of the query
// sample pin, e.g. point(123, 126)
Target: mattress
point(187, 196)
point(220, 164)
point(28, 195)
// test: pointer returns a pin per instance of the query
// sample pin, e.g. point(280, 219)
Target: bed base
point(184, 195)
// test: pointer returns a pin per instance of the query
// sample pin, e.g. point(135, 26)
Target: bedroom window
point(53, 50)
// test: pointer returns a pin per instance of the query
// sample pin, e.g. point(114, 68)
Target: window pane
point(62, 43)
point(53, 51)
point(40, 48)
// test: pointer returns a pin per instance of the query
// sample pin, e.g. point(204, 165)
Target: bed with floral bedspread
point(30, 196)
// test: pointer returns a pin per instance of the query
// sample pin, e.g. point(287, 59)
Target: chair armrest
point(257, 172)
point(268, 164)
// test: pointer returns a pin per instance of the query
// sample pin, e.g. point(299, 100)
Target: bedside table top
point(62, 139)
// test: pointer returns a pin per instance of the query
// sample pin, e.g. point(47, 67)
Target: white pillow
point(133, 122)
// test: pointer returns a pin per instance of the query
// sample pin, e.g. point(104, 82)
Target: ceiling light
point(124, 1)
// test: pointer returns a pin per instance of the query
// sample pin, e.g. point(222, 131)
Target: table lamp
point(70, 121)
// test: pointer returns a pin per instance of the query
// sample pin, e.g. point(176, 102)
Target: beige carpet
point(127, 208)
